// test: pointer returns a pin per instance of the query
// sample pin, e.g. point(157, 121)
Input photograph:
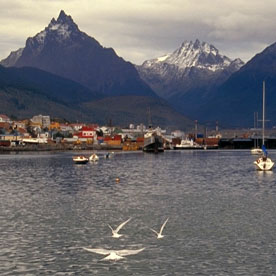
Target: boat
point(153, 141)
point(80, 159)
point(94, 157)
point(264, 163)
point(256, 151)
point(189, 144)
point(109, 155)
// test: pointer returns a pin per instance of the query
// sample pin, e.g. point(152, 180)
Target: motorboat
point(80, 159)
point(94, 157)
point(188, 144)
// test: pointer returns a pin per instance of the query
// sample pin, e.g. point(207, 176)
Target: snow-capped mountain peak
point(193, 54)
point(61, 29)
point(193, 66)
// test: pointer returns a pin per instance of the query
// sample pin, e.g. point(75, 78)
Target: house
point(19, 124)
point(54, 125)
point(77, 126)
point(5, 119)
point(87, 132)
point(65, 128)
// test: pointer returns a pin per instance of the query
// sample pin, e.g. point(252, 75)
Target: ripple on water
point(221, 214)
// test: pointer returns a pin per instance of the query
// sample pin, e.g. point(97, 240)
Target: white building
point(44, 121)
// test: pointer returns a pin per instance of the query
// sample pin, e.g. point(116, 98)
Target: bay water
point(222, 213)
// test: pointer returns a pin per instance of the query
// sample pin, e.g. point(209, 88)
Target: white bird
point(113, 255)
point(115, 233)
point(159, 235)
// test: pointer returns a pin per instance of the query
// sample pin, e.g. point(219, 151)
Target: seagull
point(113, 255)
point(115, 233)
point(159, 235)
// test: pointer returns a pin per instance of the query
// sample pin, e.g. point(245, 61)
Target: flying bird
point(113, 255)
point(115, 233)
point(159, 235)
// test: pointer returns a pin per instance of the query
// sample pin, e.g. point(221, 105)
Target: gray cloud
point(142, 29)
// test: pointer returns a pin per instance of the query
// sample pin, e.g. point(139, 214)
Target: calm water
point(222, 214)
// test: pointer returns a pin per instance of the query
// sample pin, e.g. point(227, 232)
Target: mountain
point(52, 86)
point(62, 49)
point(65, 73)
point(235, 101)
point(193, 66)
point(27, 91)
point(129, 108)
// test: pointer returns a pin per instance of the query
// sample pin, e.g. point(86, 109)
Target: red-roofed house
point(87, 132)
point(4, 119)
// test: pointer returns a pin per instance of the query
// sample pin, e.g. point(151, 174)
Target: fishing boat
point(153, 141)
point(263, 163)
point(188, 144)
point(80, 159)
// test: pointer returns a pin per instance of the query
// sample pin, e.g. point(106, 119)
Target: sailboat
point(264, 163)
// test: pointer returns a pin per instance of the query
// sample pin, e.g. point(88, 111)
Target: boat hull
point(80, 160)
point(153, 144)
point(264, 164)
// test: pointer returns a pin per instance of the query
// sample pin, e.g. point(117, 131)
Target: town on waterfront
point(42, 133)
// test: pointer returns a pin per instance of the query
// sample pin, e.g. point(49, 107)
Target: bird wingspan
point(154, 231)
point(101, 251)
point(126, 252)
point(162, 227)
point(122, 224)
point(110, 227)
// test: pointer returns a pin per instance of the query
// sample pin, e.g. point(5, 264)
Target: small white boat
point(94, 157)
point(256, 151)
point(80, 159)
point(188, 144)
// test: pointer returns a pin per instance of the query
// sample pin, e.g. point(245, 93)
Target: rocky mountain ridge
point(192, 66)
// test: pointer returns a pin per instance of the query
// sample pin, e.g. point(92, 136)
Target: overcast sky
point(145, 29)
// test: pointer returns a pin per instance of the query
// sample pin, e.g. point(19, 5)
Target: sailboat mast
point(263, 110)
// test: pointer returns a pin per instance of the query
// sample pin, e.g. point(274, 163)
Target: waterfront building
point(43, 121)
point(5, 119)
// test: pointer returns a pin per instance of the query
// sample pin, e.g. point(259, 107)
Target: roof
point(5, 117)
